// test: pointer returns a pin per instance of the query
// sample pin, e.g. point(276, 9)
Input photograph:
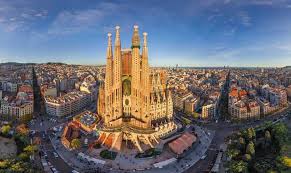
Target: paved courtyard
point(8, 148)
point(126, 162)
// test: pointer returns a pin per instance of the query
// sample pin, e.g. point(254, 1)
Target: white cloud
point(286, 47)
point(68, 22)
point(227, 1)
point(230, 32)
point(262, 2)
point(212, 17)
point(245, 19)
point(16, 17)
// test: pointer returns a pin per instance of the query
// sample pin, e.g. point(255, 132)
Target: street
point(48, 149)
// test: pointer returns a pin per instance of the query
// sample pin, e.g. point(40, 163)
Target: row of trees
point(12, 118)
point(258, 150)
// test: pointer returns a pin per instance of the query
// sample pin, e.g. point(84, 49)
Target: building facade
point(67, 104)
point(16, 110)
point(209, 109)
point(180, 97)
point(191, 104)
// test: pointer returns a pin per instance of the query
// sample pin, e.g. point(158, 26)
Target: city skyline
point(153, 86)
point(195, 33)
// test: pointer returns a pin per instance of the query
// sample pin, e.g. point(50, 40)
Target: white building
point(67, 104)
point(89, 88)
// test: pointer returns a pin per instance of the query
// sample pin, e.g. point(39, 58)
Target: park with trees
point(22, 160)
point(265, 149)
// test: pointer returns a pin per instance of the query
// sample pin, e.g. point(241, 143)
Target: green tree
point(286, 161)
point(232, 153)
point(23, 156)
point(195, 115)
point(251, 134)
point(30, 149)
point(267, 124)
point(247, 157)
point(250, 148)
point(17, 167)
point(5, 129)
point(279, 132)
point(238, 167)
point(4, 164)
point(75, 143)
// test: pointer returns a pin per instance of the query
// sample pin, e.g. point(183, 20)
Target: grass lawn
point(148, 153)
point(106, 154)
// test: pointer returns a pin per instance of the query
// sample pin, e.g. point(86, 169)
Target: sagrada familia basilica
point(134, 102)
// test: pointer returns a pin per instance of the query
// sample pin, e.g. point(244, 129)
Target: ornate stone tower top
point(135, 37)
point(117, 37)
point(145, 39)
point(145, 48)
point(109, 47)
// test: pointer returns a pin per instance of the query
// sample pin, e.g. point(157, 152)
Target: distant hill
point(56, 63)
point(16, 63)
point(10, 63)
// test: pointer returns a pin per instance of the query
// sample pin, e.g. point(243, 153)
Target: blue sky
point(188, 32)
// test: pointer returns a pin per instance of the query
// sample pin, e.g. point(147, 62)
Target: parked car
point(203, 157)
point(54, 170)
point(55, 154)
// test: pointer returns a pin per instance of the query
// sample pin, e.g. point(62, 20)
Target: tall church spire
point(109, 68)
point(108, 77)
point(135, 72)
point(117, 72)
point(145, 64)
point(117, 59)
point(145, 80)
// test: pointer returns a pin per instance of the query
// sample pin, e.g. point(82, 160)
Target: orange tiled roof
point(182, 143)
point(233, 93)
point(242, 93)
